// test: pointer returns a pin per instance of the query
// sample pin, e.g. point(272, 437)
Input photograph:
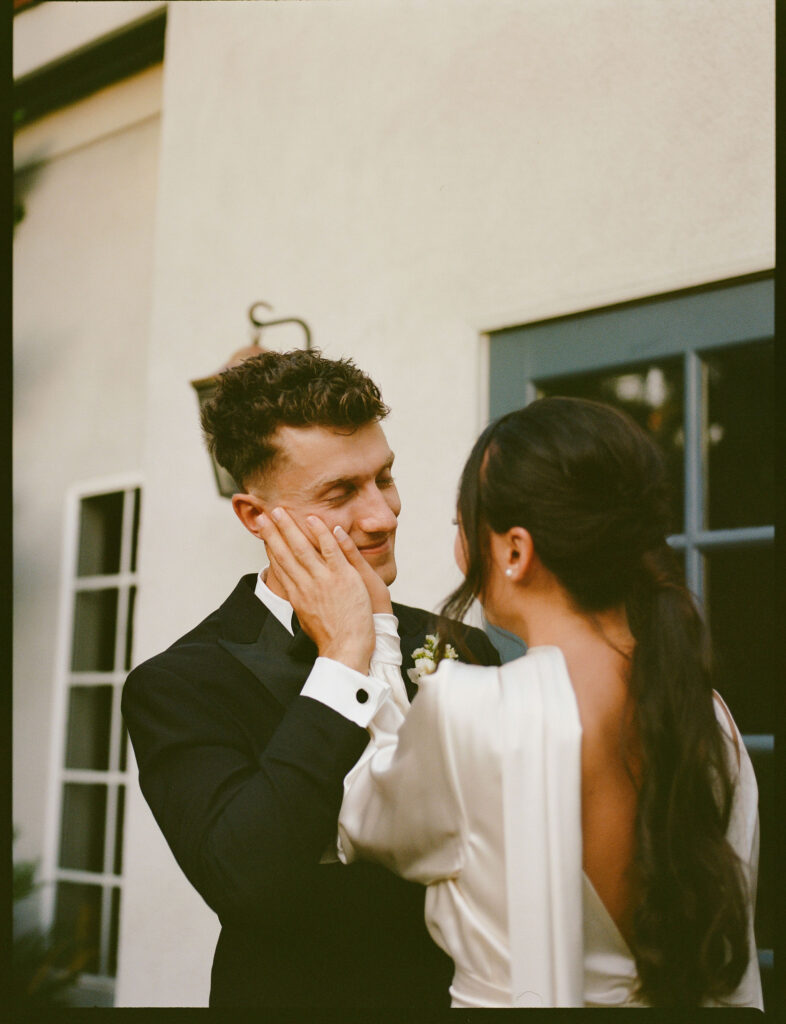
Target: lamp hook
point(259, 324)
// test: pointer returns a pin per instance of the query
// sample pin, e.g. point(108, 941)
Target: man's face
point(345, 479)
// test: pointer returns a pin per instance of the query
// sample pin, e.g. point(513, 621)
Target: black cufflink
point(362, 696)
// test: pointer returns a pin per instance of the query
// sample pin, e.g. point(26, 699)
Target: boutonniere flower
point(426, 658)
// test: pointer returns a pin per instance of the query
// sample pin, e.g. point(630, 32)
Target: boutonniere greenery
point(427, 658)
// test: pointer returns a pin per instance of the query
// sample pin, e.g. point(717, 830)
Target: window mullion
point(738, 537)
point(123, 603)
point(694, 472)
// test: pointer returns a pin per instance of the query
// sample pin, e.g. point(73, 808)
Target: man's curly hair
point(274, 389)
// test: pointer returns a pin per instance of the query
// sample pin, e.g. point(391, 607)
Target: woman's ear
point(248, 508)
point(516, 552)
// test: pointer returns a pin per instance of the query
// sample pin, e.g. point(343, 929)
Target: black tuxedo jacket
point(244, 777)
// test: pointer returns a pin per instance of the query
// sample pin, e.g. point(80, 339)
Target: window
point(696, 370)
point(86, 843)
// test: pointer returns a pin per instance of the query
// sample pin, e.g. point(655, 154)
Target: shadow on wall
point(25, 179)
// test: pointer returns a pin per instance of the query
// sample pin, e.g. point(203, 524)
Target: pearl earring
point(508, 572)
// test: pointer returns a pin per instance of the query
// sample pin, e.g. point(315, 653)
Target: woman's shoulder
point(457, 692)
point(460, 710)
point(540, 665)
point(536, 681)
point(452, 676)
point(737, 755)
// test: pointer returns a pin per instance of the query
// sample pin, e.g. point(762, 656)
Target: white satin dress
point(476, 794)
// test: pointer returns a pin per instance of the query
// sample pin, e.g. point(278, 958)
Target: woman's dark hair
point(590, 487)
point(294, 389)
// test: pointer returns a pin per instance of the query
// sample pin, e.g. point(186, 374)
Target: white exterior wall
point(82, 285)
point(405, 176)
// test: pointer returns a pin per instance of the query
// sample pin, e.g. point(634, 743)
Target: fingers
point(311, 553)
point(287, 545)
point(324, 539)
point(376, 587)
point(333, 545)
point(286, 581)
point(350, 550)
point(297, 541)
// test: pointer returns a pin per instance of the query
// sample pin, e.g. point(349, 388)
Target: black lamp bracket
point(272, 323)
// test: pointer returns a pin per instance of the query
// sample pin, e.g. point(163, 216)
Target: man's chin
point(387, 575)
point(386, 569)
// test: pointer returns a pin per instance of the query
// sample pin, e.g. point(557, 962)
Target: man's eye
point(385, 481)
point(338, 497)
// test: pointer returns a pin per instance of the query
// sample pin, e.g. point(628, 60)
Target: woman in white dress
point(585, 817)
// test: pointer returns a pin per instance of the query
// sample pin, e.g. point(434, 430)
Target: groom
point(243, 744)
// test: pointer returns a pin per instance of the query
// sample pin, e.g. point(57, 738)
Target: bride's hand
point(377, 589)
point(327, 591)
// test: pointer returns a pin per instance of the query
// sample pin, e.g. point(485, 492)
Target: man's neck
point(272, 583)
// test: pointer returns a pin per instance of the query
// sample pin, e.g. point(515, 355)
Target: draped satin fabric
point(476, 793)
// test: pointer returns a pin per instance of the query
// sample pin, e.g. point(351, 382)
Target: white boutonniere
point(426, 659)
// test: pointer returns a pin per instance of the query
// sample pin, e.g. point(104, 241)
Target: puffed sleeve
point(401, 806)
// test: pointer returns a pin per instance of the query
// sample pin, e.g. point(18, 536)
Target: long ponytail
point(689, 927)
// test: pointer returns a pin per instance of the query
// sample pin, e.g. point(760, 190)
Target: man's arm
point(243, 829)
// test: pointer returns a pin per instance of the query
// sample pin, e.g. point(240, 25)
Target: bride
point(585, 817)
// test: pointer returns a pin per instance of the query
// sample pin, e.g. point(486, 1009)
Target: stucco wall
point(82, 284)
point(405, 176)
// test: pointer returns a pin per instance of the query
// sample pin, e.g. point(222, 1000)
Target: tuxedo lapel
point(281, 663)
point(255, 637)
point(301, 646)
point(412, 628)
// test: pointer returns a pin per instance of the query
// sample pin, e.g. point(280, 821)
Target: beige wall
point(405, 176)
point(82, 284)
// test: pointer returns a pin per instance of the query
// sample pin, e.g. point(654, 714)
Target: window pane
point(82, 827)
point(120, 819)
point(764, 767)
point(95, 620)
point(130, 626)
point(114, 931)
point(89, 718)
point(739, 437)
point(652, 395)
point(100, 534)
point(77, 925)
point(135, 529)
point(740, 588)
point(123, 747)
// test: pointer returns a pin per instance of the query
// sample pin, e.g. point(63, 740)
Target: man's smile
point(378, 548)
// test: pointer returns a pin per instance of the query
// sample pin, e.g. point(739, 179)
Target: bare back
point(608, 794)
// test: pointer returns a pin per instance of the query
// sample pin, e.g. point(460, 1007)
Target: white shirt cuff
point(350, 693)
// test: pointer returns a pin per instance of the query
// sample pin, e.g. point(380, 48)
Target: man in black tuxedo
point(242, 770)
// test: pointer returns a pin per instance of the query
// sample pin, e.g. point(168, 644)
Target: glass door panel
point(650, 393)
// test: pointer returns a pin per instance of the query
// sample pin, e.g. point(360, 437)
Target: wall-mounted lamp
point(205, 386)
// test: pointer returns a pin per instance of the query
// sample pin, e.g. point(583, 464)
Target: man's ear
point(248, 508)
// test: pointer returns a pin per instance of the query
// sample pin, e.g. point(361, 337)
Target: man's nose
point(376, 516)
